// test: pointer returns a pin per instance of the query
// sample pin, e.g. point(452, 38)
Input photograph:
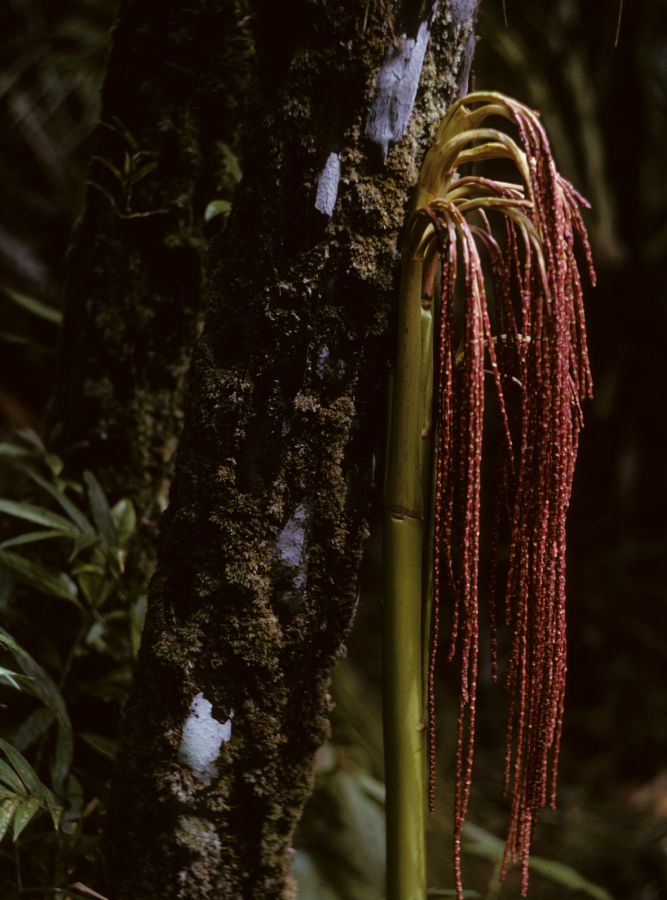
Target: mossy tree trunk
point(256, 584)
point(134, 294)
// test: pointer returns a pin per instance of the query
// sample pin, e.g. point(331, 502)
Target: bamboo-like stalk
point(407, 500)
point(408, 519)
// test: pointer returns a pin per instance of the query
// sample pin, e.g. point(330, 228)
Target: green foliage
point(72, 632)
point(22, 793)
point(27, 313)
point(341, 843)
point(217, 208)
point(52, 59)
point(481, 843)
point(228, 171)
point(131, 168)
point(436, 892)
point(35, 307)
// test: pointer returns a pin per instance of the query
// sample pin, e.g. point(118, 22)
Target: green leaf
point(231, 162)
point(36, 307)
point(101, 512)
point(7, 810)
point(75, 514)
point(125, 520)
point(492, 846)
point(8, 641)
point(568, 877)
point(62, 760)
point(113, 687)
point(87, 892)
point(30, 437)
point(13, 452)
point(29, 778)
point(12, 678)
point(312, 883)
point(42, 685)
point(216, 208)
point(103, 745)
point(72, 818)
point(81, 544)
point(88, 568)
point(11, 779)
point(142, 171)
point(45, 689)
point(109, 166)
point(27, 774)
point(95, 632)
point(36, 514)
point(34, 537)
point(19, 339)
point(55, 464)
point(48, 581)
point(373, 788)
point(349, 860)
point(437, 892)
point(489, 846)
point(33, 728)
point(56, 813)
point(92, 581)
point(141, 155)
point(23, 815)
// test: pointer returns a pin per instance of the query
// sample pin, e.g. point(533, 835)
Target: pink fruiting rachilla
point(528, 346)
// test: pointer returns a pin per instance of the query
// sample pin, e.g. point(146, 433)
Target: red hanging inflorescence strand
point(531, 352)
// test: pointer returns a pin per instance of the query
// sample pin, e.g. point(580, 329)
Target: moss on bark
point(256, 584)
point(134, 293)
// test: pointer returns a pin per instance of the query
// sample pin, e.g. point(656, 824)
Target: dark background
point(605, 109)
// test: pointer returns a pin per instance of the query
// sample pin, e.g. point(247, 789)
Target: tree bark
point(134, 292)
point(256, 585)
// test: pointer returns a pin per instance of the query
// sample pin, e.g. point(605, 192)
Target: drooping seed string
point(533, 347)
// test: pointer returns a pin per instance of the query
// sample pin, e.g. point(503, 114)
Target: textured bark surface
point(256, 584)
point(134, 289)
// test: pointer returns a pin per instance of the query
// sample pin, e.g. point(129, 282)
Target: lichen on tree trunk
point(256, 584)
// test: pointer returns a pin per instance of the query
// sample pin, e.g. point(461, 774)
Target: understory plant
point(490, 321)
point(70, 630)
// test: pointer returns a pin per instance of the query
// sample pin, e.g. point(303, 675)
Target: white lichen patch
point(326, 367)
point(327, 185)
point(291, 544)
point(291, 540)
point(463, 11)
point(299, 579)
point(199, 837)
point(322, 357)
point(202, 738)
point(199, 833)
point(397, 83)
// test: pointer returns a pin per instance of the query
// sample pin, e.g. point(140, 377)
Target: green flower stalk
point(507, 320)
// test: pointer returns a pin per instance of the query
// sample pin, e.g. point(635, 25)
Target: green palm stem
point(406, 614)
point(408, 519)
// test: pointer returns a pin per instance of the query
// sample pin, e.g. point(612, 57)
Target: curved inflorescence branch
point(511, 322)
